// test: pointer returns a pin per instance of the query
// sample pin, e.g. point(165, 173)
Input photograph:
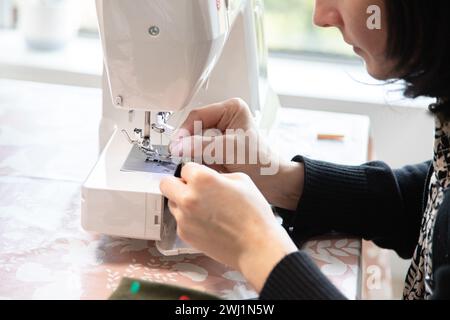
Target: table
point(48, 144)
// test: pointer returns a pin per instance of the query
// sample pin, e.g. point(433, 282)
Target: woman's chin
point(381, 75)
point(377, 70)
point(378, 75)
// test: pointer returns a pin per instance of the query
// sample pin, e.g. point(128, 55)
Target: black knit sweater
point(370, 201)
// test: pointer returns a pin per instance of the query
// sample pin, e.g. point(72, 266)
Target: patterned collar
point(441, 161)
point(419, 279)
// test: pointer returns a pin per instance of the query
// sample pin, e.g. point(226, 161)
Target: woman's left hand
point(226, 217)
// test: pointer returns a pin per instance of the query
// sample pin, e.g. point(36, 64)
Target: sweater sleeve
point(297, 277)
point(370, 201)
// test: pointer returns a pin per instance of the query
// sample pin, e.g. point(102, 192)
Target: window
point(88, 16)
point(10, 12)
point(289, 28)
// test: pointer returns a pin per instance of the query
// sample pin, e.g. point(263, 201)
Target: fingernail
point(175, 148)
point(180, 134)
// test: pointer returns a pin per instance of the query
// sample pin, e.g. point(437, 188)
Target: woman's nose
point(326, 14)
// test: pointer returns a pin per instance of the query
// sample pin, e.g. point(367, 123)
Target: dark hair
point(419, 39)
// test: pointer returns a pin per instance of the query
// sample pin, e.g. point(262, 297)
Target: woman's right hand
point(225, 137)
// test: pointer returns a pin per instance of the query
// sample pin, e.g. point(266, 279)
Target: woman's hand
point(226, 217)
point(229, 142)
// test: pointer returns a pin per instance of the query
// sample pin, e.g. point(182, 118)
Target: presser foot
point(157, 154)
point(153, 153)
point(138, 161)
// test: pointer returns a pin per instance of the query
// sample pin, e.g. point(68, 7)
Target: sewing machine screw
point(154, 31)
point(118, 101)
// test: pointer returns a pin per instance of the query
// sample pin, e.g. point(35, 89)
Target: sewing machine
point(164, 58)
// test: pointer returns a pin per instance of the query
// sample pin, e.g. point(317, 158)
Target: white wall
point(401, 135)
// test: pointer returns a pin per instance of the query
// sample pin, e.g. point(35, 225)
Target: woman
point(407, 210)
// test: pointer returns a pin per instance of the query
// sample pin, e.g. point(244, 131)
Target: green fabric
point(133, 289)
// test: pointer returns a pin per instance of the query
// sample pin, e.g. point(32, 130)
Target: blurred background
point(56, 41)
point(289, 27)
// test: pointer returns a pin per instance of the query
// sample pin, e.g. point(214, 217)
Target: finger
point(190, 147)
point(174, 210)
point(172, 188)
point(236, 176)
point(218, 115)
point(218, 150)
point(209, 116)
point(219, 168)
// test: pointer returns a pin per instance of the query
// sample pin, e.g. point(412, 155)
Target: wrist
point(285, 189)
point(257, 263)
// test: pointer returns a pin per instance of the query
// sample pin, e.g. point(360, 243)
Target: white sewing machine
point(164, 56)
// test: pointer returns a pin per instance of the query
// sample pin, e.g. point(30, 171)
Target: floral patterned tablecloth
point(48, 144)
